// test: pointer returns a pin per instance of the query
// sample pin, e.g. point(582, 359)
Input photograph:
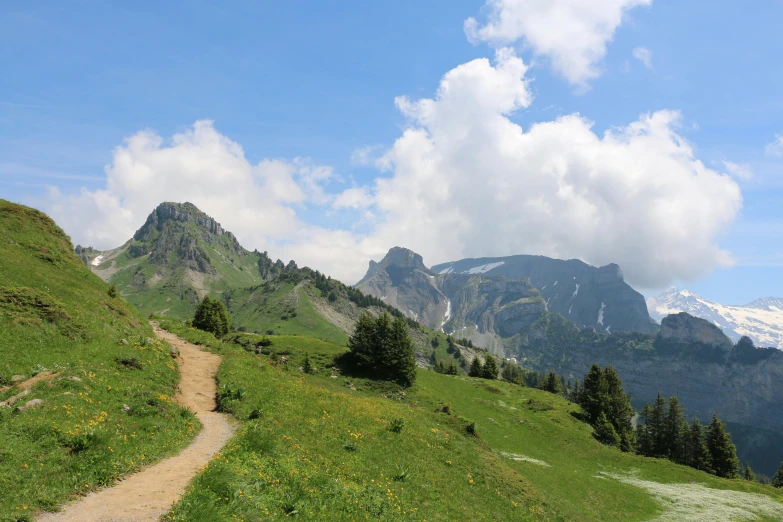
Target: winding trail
point(148, 494)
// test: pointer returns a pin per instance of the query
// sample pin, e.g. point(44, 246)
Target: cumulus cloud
point(572, 34)
point(740, 171)
point(467, 181)
point(644, 55)
point(462, 180)
point(776, 147)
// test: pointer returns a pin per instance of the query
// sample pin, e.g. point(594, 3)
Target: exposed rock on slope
point(761, 320)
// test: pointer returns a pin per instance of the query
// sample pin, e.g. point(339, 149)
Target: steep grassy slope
point(321, 447)
point(106, 406)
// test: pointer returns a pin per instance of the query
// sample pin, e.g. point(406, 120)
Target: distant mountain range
point(761, 320)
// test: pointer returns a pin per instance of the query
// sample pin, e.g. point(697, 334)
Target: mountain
point(178, 256)
point(761, 320)
point(490, 300)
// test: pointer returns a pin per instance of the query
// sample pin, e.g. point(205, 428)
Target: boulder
point(17, 378)
point(32, 404)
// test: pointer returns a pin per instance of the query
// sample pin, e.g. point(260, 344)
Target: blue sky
point(318, 80)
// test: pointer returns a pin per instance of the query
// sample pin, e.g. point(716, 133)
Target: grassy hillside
point(106, 405)
point(321, 446)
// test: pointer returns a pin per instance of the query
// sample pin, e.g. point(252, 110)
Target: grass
point(317, 446)
point(56, 316)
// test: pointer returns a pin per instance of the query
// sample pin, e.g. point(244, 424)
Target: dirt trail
point(147, 495)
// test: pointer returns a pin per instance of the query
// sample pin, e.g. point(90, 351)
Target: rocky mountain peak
point(402, 258)
point(182, 212)
point(683, 328)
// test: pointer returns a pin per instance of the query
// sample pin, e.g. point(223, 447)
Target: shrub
point(129, 362)
point(383, 348)
point(396, 425)
point(113, 291)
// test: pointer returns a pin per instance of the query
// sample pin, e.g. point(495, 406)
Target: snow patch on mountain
point(576, 292)
point(97, 260)
point(483, 269)
point(761, 320)
point(601, 315)
point(448, 314)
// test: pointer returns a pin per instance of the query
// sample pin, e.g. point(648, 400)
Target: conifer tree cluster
point(447, 369)
point(212, 316)
point(383, 348)
point(663, 432)
point(488, 370)
point(608, 408)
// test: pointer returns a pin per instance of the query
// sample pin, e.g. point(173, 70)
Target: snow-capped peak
point(761, 320)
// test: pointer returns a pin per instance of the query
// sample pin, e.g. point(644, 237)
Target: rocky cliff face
point(690, 358)
point(588, 296)
point(491, 300)
point(401, 280)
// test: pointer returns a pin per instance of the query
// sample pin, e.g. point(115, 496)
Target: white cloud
point(366, 155)
point(644, 55)
point(353, 198)
point(776, 147)
point(463, 181)
point(743, 171)
point(469, 182)
point(572, 34)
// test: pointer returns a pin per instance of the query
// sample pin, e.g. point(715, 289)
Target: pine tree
point(696, 453)
point(656, 428)
point(619, 410)
point(552, 383)
point(605, 432)
point(777, 478)
point(476, 369)
point(452, 369)
point(307, 367)
point(723, 453)
point(212, 316)
point(383, 348)
point(643, 437)
point(675, 432)
point(596, 395)
point(748, 474)
point(362, 342)
point(490, 368)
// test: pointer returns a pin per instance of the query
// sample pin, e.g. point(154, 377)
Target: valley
point(326, 443)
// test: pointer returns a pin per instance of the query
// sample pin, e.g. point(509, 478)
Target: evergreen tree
point(512, 373)
point(307, 367)
point(643, 437)
point(552, 383)
point(383, 348)
point(476, 369)
point(675, 432)
point(656, 428)
point(576, 391)
point(605, 432)
point(619, 410)
point(777, 478)
point(696, 453)
point(723, 453)
point(490, 368)
point(596, 394)
point(748, 474)
point(212, 316)
point(362, 342)
point(400, 361)
point(452, 369)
